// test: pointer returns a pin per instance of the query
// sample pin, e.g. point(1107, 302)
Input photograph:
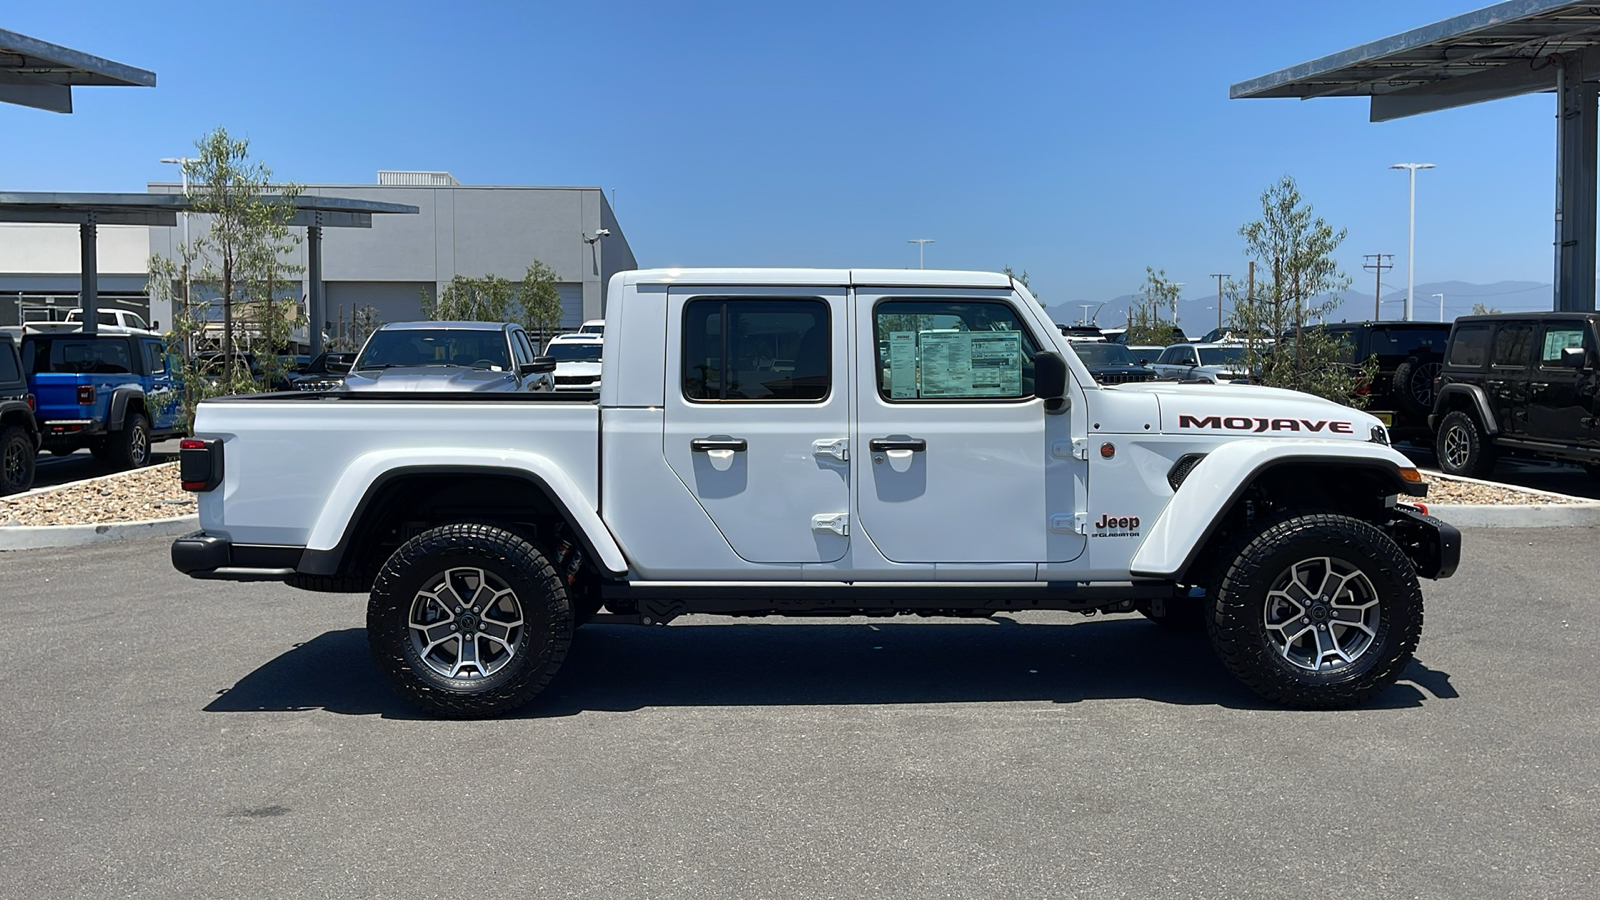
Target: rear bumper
point(209, 556)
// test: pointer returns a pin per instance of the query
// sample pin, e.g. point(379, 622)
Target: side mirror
point(539, 366)
point(155, 326)
point(1573, 357)
point(1050, 379)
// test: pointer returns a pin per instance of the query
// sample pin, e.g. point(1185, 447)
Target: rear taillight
point(200, 464)
point(33, 403)
point(85, 394)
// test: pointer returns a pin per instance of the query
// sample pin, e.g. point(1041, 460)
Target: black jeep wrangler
point(1522, 384)
point(1409, 355)
point(19, 431)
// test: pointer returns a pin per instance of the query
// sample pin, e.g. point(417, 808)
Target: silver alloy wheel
point(1322, 613)
point(466, 622)
point(139, 445)
point(1457, 447)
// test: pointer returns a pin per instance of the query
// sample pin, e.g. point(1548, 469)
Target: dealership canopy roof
point(41, 75)
point(163, 209)
point(1499, 51)
point(1512, 48)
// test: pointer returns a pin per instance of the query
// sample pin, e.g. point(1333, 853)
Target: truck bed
point(289, 457)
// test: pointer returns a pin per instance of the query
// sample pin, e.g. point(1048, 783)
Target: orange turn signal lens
point(1411, 475)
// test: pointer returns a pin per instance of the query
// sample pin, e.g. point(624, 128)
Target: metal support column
point(318, 302)
point(89, 290)
point(1575, 187)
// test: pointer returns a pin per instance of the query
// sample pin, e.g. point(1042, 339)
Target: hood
point(1221, 409)
point(578, 369)
point(430, 378)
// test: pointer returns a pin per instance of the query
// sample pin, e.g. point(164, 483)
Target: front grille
point(321, 385)
point(1126, 378)
point(575, 379)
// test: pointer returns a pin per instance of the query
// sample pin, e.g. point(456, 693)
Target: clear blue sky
point(1080, 141)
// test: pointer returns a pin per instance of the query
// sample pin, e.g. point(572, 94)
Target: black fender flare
point(120, 398)
point(17, 412)
point(1479, 400)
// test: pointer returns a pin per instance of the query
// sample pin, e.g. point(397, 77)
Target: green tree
point(486, 299)
point(1023, 280)
point(1295, 249)
point(364, 320)
point(540, 301)
point(1147, 321)
point(1480, 309)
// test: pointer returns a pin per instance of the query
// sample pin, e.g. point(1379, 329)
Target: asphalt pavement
point(174, 738)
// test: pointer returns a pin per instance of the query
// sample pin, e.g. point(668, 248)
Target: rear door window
point(1470, 347)
point(1513, 346)
point(154, 360)
point(752, 349)
point(8, 364)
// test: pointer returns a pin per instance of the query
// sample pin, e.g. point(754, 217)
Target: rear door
point(1507, 384)
point(956, 459)
point(161, 396)
point(757, 415)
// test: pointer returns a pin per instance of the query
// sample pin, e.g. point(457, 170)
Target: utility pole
point(922, 244)
point(1219, 297)
point(1250, 291)
point(1441, 306)
point(1379, 266)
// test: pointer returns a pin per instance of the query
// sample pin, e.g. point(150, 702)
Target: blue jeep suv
point(112, 393)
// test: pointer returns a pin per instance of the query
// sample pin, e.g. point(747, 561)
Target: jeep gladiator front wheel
point(468, 620)
point(1318, 611)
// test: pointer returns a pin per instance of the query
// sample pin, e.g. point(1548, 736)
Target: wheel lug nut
point(1306, 620)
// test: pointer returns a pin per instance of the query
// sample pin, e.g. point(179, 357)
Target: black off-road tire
point(129, 447)
point(538, 649)
point(1462, 447)
point(16, 460)
point(1248, 647)
point(1412, 386)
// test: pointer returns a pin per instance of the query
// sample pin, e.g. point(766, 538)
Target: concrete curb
point(1564, 515)
point(40, 537)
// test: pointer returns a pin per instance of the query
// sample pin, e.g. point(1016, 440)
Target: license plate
point(1386, 418)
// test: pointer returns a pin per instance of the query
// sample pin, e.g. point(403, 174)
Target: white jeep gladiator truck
point(823, 442)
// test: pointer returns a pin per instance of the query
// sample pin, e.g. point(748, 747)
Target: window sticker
point(903, 365)
point(1555, 341)
point(960, 364)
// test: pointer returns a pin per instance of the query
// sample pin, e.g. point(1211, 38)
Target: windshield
point(574, 351)
point(1103, 354)
point(1220, 356)
point(435, 347)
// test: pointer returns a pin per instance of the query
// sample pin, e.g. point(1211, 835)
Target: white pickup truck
point(823, 442)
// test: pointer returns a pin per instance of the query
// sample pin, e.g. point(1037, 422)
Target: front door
point(952, 446)
point(757, 417)
point(1561, 399)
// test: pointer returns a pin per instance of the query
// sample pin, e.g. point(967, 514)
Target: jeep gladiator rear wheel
point(1462, 447)
point(130, 447)
point(1318, 611)
point(468, 620)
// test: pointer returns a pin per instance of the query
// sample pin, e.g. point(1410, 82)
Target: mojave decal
point(1258, 425)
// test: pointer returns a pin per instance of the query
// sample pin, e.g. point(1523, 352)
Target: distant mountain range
point(1197, 310)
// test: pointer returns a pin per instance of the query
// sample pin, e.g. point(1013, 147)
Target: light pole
point(1219, 279)
point(1441, 306)
point(182, 162)
point(1411, 250)
point(921, 243)
point(1179, 285)
point(1084, 318)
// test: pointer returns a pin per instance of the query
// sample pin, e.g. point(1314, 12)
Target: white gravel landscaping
point(136, 496)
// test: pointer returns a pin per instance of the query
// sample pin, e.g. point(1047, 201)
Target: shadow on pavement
point(620, 668)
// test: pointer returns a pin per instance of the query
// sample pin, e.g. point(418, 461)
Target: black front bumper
point(1434, 546)
point(201, 555)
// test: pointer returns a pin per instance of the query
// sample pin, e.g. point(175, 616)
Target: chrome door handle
point(878, 445)
point(706, 445)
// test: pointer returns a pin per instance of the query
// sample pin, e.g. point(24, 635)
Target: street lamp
point(1411, 252)
point(1179, 285)
point(1441, 306)
point(921, 243)
point(182, 162)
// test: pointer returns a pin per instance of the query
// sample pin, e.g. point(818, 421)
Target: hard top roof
point(443, 325)
point(821, 277)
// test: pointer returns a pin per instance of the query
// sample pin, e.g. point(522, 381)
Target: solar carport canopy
point(41, 75)
point(1499, 51)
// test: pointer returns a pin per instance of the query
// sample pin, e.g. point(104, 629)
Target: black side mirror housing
point(1050, 379)
point(539, 366)
point(1573, 357)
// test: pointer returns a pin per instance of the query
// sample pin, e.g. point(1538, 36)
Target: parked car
point(325, 373)
point(212, 366)
point(593, 326)
point(577, 359)
point(977, 469)
point(1409, 356)
point(114, 318)
point(1519, 384)
point(1081, 333)
point(449, 356)
point(1211, 363)
point(1146, 353)
point(19, 430)
point(111, 393)
point(1111, 363)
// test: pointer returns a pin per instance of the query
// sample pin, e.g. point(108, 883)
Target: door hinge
point(838, 523)
point(838, 448)
point(1077, 523)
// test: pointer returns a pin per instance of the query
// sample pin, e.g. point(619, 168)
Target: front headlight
point(1380, 435)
